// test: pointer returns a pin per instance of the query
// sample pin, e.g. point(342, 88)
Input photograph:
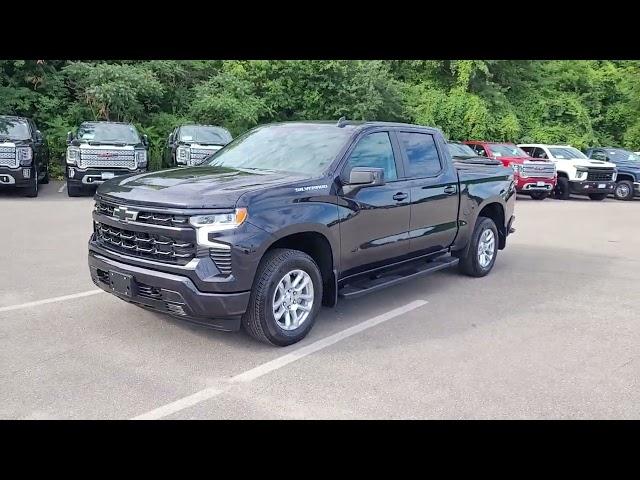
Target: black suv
point(189, 145)
point(103, 150)
point(291, 216)
point(24, 155)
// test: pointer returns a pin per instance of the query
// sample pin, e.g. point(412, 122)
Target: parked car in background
point(628, 166)
point(292, 216)
point(577, 174)
point(189, 145)
point(24, 155)
point(535, 177)
point(100, 151)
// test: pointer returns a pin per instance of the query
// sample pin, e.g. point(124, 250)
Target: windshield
point(461, 150)
point(298, 148)
point(108, 132)
point(204, 135)
point(13, 129)
point(566, 152)
point(622, 155)
point(507, 150)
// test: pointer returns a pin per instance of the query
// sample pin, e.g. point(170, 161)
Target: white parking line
point(50, 300)
point(62, 187)
point(277, 363)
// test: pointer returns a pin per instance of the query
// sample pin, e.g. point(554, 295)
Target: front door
point(374, 221)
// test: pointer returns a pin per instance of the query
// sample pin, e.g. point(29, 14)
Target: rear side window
point(422, 155)
point(538, 153)
point(374, 151)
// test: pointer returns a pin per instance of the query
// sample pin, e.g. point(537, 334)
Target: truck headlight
point(183, 155)
point(73, 155)
point(141, 158)
point(580, 172)
point(615, 175)
point(217, 222)
point(24, 155)
point(516, 168)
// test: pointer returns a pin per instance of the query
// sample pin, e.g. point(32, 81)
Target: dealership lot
point(552, 332)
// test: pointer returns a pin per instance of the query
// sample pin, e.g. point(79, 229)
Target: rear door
point(374, 221)
point(433, 182)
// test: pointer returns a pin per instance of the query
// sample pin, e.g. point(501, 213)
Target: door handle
point(400, 196)
point(450, 189)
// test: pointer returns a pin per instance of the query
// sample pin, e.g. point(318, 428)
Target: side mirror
point(39, 137)
point(366, 177)
point(69, 138)
point(145, 140)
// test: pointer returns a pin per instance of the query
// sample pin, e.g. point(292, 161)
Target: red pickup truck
point(535, 177)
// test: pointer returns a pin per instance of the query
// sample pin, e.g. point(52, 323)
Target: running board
point(399, 275)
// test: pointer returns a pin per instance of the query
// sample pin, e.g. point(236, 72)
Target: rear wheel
point(624, 190)
point(562, 189)
point(597, 196)
point(285, 298)
point(483, 249)
point(539, 195)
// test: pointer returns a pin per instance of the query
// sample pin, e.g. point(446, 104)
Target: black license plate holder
point(122, 284)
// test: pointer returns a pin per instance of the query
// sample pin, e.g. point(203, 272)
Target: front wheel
point(624, 190)
point(32, 189)
point(483, 249)
point(285, 298)
point(597, 196)
point(562, 189)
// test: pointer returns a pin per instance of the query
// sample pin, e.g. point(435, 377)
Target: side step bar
point(367, 285)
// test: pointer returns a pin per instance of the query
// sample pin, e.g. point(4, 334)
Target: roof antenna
point(342, 122)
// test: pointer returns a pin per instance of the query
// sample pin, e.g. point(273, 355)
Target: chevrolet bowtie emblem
point(124, 214)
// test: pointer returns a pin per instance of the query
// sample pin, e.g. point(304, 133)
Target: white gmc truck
point(577, 174)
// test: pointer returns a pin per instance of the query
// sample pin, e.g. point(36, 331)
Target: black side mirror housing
point(39, 138)
point(365, 177)
point(145, 140)
point(69, 138)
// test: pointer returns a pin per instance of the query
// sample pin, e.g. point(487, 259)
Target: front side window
point(537, 153)
point(598, 155)
point(374, 151)
point(479, 149)
point(422, 154)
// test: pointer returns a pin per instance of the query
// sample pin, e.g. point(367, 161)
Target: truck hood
point(192, 187)
point(588, 162)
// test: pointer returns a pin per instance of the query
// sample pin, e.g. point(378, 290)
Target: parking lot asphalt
point(552, 332)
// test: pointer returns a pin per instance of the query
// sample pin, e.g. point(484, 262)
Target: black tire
point(469, 262)
point(562, 189)
point(258, 320)
point(74, 191)
point(45, 179)
point(539, 195)
point(31, 190)
point(597, 196)
point(624, 190)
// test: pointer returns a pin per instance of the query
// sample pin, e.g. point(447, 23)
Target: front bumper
point(94, 176)
point(172, 294)
point(533, 184)
point(15, 177)
point(587, 187)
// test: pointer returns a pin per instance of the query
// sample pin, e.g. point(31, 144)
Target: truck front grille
point(144, 245)
point(8, 157)
point(107, 158)
point(198, 154)
point(539, 169)
point(222, 259)
point(599, 174)
point(152, 218)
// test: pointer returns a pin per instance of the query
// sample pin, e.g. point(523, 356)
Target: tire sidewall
point(277, 334)
point(629, 195)
point(484, 224)
point(562, 189)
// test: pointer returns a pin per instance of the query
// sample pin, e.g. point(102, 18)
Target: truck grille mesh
point(600, 174)
point(8, 157)
point(152, 218)
point(539, 169)
point(107, 158)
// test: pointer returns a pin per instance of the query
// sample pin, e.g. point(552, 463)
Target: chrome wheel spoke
point(293, 299)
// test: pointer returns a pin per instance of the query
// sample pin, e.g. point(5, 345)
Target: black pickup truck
point(294, 215)
point(100, 151)
point(189, 145)
point(24, 155)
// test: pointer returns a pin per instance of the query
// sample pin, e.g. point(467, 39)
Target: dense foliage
point(583, 103)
